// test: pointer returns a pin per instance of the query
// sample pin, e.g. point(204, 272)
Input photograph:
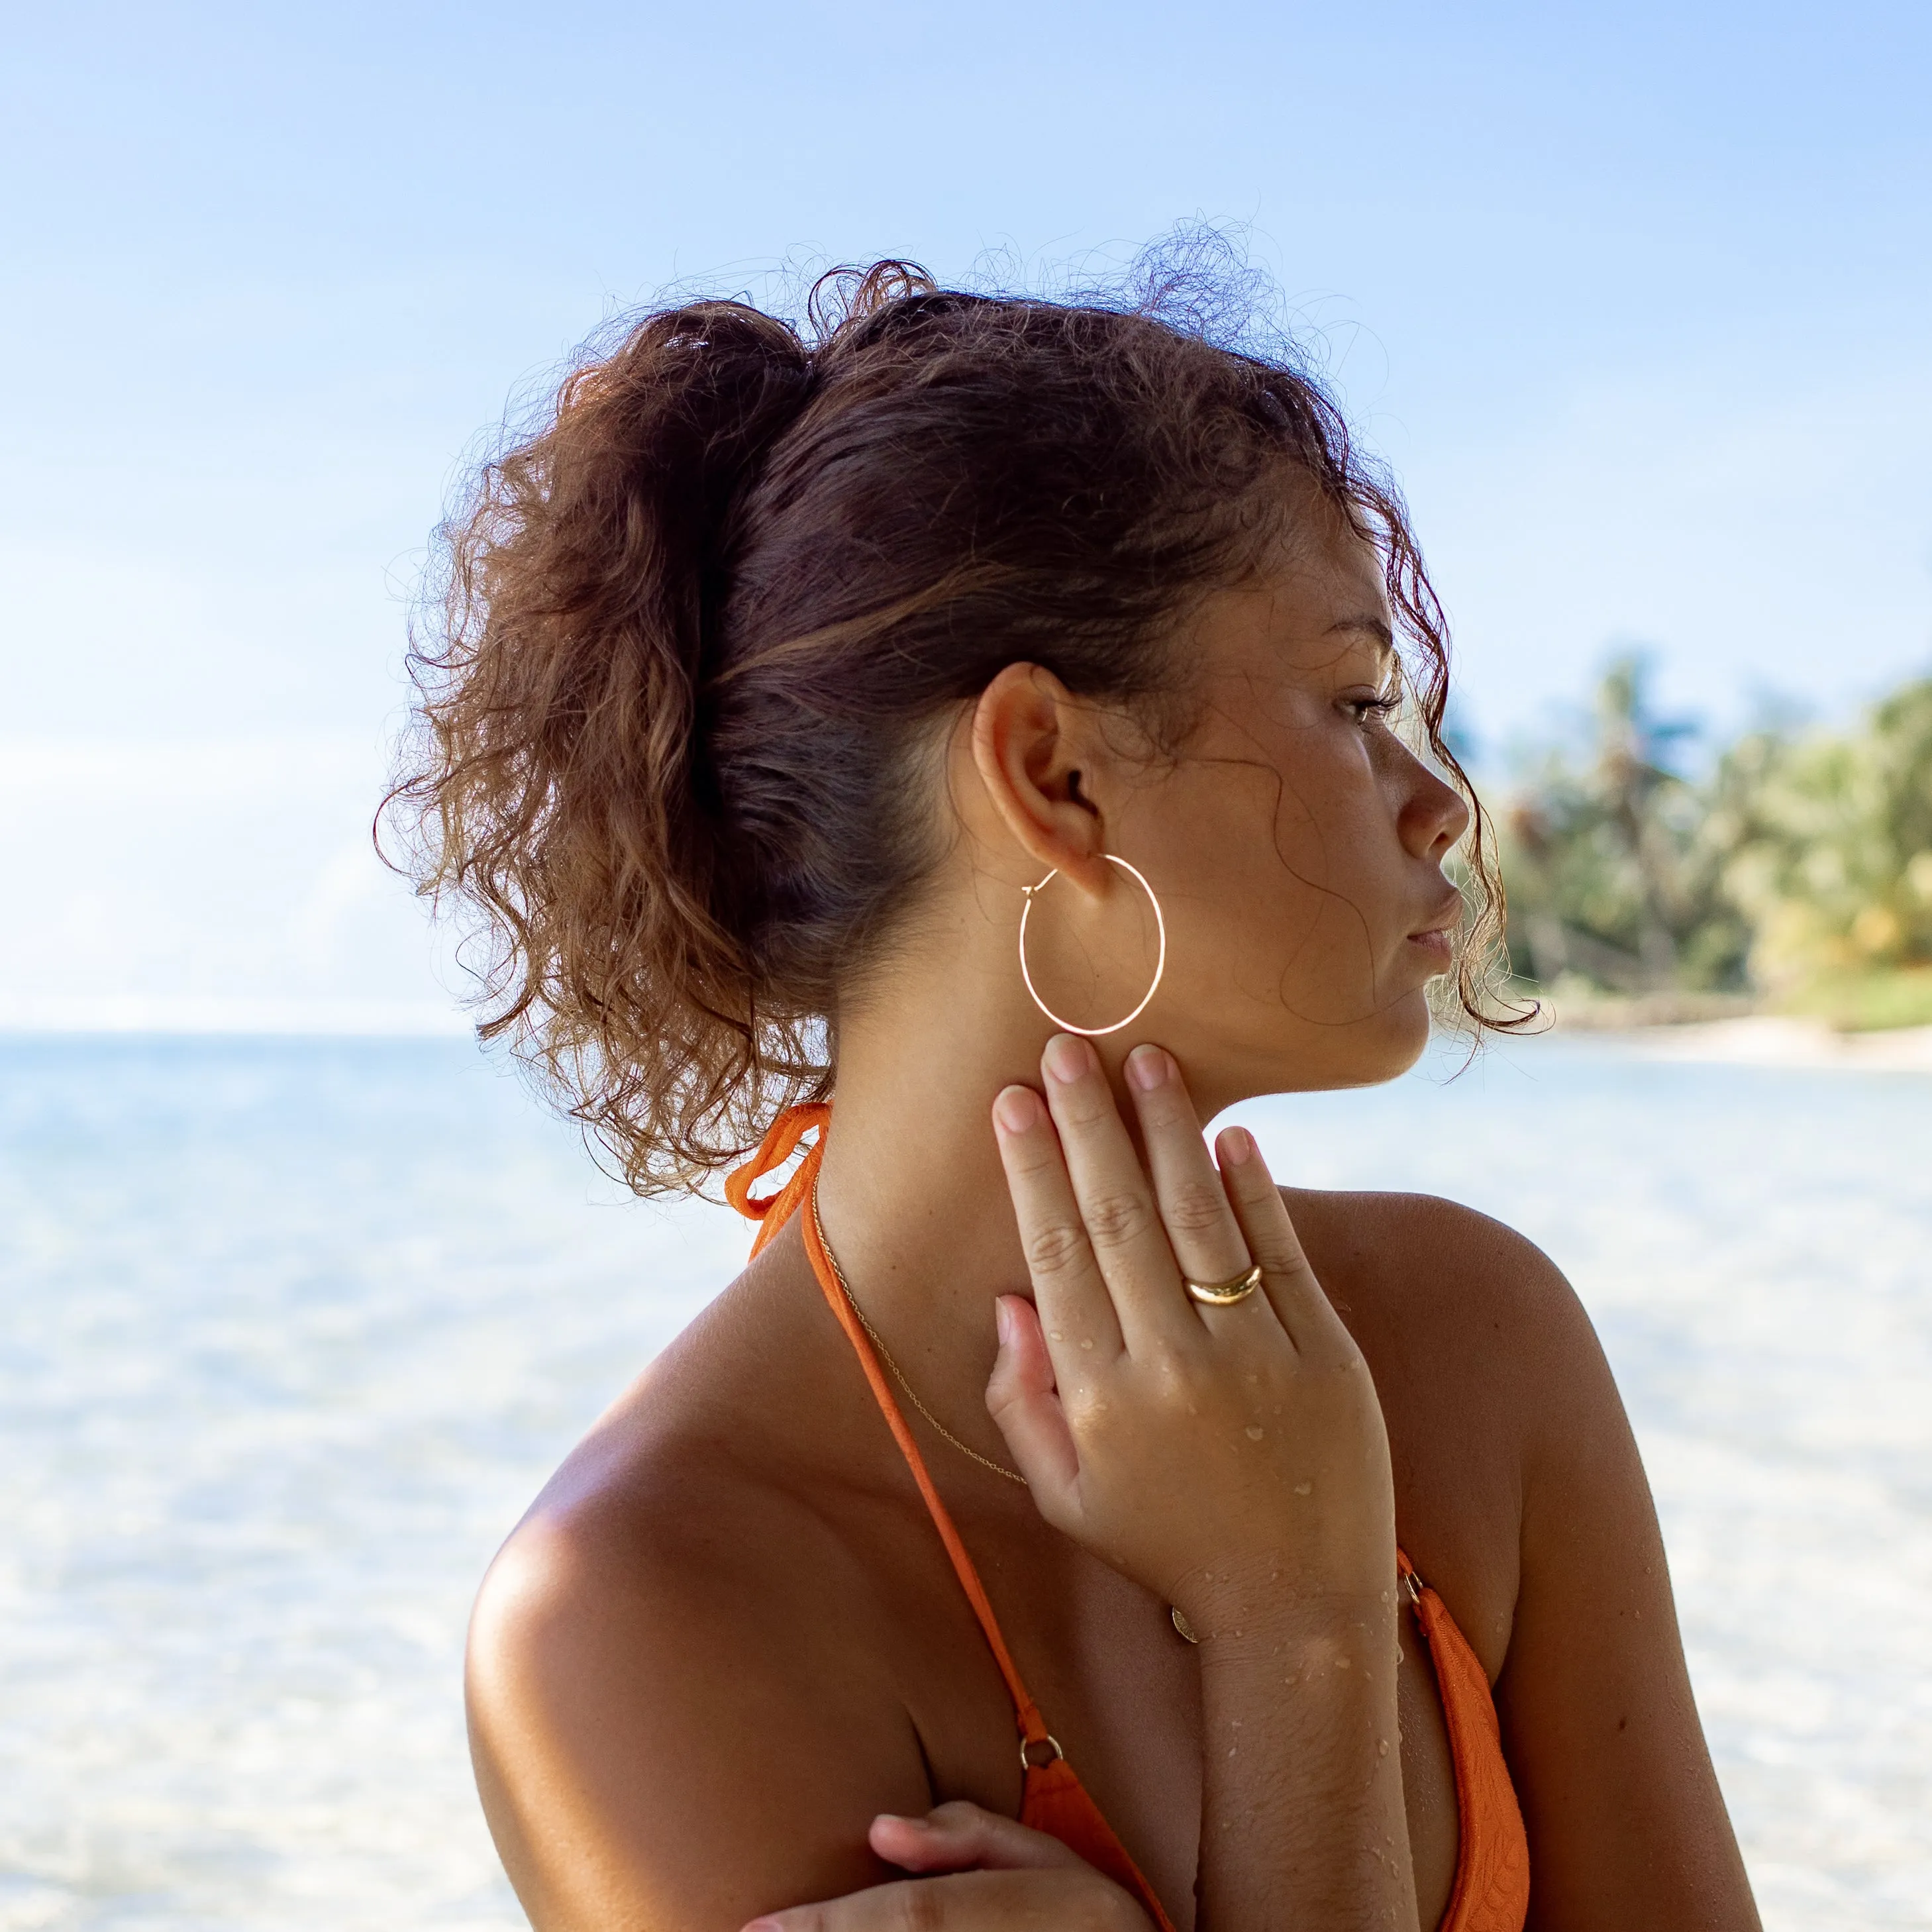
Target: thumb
point(1025, 1405)
point(960, 1837)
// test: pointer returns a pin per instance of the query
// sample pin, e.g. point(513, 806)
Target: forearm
point(1303, 1823)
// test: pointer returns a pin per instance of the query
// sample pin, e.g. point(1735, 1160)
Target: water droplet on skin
point(1382, 1747)
point(1054, 1335)
point(1255, 1432)
point(1304, 1489)
point(1087, 1342)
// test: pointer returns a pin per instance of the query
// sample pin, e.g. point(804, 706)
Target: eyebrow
point(1371, 621)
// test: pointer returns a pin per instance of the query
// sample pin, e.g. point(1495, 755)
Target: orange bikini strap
point(787, 1131)
point(780, 1140)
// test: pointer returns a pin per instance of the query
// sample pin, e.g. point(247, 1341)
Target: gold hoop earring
point(1160, 959)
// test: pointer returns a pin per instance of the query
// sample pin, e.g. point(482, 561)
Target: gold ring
point(1226, 1294)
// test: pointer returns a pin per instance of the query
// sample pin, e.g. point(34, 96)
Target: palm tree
point(1602, 858)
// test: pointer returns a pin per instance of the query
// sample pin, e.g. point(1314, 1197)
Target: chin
point(1381, 1046)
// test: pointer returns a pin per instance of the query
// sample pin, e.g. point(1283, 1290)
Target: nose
point(1434, 816)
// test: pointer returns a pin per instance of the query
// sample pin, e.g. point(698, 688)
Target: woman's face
point(1296, 844)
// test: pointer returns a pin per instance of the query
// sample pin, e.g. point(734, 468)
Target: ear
point(1034, 748)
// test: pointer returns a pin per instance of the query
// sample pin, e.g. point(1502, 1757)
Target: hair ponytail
point(562, 786)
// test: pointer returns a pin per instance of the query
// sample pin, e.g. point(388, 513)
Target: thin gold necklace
point(898, 1374)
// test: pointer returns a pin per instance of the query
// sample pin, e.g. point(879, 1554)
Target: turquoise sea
point(290, 1330)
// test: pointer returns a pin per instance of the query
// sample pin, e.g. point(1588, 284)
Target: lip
point(1438, 937)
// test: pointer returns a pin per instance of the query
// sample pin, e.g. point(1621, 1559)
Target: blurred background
point(300, 1296)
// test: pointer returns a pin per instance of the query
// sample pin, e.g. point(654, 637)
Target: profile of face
point(1295, 842)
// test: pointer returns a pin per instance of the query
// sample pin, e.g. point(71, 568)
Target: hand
point(999, 1876)
point(1230, 1459)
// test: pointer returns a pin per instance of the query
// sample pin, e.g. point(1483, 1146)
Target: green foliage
point(1800, 869)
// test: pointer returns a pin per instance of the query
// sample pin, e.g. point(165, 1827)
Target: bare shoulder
point(1435, 1288)
point(1483, 1358)
point(1521, 1496)
point(664, 1500)
point(651, 1663)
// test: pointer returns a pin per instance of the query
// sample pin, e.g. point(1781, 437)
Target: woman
point(991, 713)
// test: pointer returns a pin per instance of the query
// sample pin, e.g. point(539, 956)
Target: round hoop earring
point(1160, 957)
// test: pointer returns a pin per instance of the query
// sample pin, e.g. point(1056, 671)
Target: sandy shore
point(1767, 1039)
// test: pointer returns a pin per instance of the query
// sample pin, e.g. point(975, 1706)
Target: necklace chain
point(897, 1373)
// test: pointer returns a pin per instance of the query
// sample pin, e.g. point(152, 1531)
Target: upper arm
point(660, 1742)
point(1626, 1825)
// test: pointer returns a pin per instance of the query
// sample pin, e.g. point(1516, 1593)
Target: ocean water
point(291, 1330)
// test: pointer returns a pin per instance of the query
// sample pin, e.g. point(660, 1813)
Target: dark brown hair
point(688, 632)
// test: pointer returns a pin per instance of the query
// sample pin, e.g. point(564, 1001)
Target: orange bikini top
point(1492, 1889)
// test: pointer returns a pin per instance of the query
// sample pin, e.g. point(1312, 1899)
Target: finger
point(1115, 1197)
point(961, 1836)
point(1068, 1290)
point(1023, 1399)
point(1287, 1280)
point(968, 1901)
point(879, 1908)
point(1195, 1210)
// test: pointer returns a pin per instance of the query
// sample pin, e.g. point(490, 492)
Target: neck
point(912, 1197)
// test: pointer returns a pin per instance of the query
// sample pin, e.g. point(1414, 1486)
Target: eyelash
point(1382, 707)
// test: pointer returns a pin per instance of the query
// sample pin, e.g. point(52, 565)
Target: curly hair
point(687, 633)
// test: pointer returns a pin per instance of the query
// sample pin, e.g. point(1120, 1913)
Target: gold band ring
point(1226, 1294)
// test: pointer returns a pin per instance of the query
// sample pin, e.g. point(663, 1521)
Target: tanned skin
point(722, 1672)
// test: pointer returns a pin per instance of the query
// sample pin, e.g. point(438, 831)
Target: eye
point(1380, 706)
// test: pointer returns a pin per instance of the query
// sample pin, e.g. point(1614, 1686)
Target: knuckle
point(920, 1908)
point(1283, 1260)
point(1005, 1391)
point(1196, 1206)
point(1086, 1103)
point(1090, 1903)
point(1171, 1371)
point(1053, 1248)
point(1087, 1411)
point(1116, 1218)
point(956, 1814)
point(1112, 1910)
point(1037, 1150)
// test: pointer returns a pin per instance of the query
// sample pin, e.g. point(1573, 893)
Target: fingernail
point(1067, 1059)
point(1016, 1109)
point(1003, 1322)
point(1237, 1146)
point(1147, 1068)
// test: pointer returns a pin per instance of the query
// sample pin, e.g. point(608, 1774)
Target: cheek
point(1254, 863)
point(1321, 833)
point(1290, 884)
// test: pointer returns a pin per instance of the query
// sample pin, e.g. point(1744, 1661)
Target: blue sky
point(1635, 301)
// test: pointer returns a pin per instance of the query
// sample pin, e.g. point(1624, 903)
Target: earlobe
point(1025, 750)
